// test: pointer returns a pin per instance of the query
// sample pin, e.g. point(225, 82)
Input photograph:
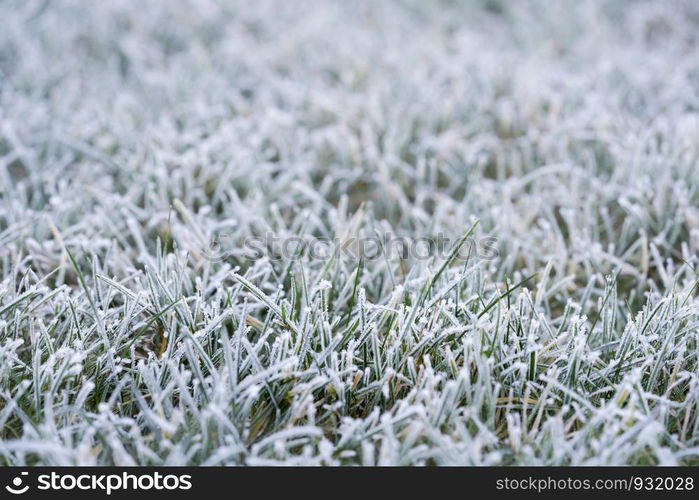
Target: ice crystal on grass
point(146, 146)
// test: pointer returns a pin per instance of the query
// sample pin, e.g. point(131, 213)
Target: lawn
point(349, 233)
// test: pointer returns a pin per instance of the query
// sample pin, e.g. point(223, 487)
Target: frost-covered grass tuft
point(144, 145)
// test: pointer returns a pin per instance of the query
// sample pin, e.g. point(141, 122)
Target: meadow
point(535, 161)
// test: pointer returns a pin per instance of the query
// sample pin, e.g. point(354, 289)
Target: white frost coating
point(157, 144)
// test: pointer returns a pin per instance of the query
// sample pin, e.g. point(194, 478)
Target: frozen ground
point(153, 155)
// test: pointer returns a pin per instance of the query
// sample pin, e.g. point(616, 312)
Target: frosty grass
point(144, 144)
